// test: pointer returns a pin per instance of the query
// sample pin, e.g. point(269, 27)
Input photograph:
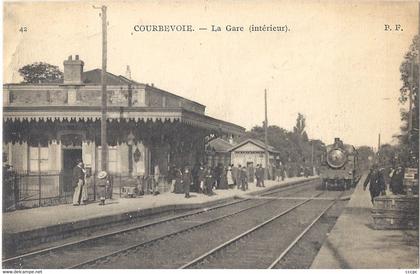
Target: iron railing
point(22, 191)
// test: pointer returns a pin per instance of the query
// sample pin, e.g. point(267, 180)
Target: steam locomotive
point(340, 168)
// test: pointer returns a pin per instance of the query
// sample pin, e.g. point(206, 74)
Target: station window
point(35, 158)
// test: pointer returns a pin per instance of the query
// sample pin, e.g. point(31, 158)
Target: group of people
point(296, 170)
point(205, 179)
point(201, 178)
point(240, 177)
point(80, 195)
point(280, 171)
point(377, 181)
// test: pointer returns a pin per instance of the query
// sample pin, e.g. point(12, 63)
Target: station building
point(252, 152)
point(47, 127)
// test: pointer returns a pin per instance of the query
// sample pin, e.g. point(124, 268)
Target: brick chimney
point(73, 70)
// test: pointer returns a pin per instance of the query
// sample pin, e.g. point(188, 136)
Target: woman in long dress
point(229, 176)
point(223, 179)
point(179, 188)
point(209, 181)
point(85, 186)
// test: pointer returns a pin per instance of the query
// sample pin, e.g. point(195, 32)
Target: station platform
point(353, 243)
point(44, 222)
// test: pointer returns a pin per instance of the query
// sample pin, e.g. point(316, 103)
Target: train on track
point(340, 167)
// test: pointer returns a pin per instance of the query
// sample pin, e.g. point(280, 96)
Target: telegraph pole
point(266, 135)
point(379, 147)
point(312, 157)
point(312, 154)
point(410, 102)
point(418, 69)
point(104, 99)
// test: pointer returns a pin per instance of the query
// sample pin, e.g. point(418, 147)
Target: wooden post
point(39, 174)
point(410, 103)
point(312, 157)
point(104, 144)
point(266, 135)
point(130, 160)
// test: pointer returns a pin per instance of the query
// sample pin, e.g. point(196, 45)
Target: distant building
point(252, 152)
point(48, 126)
point(218, 151)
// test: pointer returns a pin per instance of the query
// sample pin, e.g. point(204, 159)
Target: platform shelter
point(47, 127)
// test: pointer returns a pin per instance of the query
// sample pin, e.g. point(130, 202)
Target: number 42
point(23, 29)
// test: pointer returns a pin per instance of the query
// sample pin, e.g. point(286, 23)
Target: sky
point(337, 65)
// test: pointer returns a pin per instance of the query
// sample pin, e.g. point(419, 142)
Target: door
point(70, 157)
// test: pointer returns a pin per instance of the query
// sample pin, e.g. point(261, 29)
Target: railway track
point(91, 249)
point(276, 262)
point(266, 244)
point(176, 249)
point(303, 249)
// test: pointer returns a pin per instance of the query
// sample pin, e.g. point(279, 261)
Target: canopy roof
point(79, 100)
point(220, 145)
point(93, 113)
point(255, 142)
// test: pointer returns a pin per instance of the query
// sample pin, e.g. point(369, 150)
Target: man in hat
point(397, 178)
point(239, 177)
point(244, 179)
point(376, 183)
point(187, 180)
point(102, 183)
point(259, 173)
point(282, 170)
point(201, 178)
point(78, 182)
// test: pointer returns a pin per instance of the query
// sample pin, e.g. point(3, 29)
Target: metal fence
point(22, 191)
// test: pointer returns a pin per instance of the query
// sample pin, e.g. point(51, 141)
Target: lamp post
point(312, 156)
point(266, 136)
point(130, 142)
point(104, 144)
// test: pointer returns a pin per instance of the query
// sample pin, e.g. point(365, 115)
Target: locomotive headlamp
point(336, 158)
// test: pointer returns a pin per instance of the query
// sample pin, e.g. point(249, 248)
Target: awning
point(93, 113)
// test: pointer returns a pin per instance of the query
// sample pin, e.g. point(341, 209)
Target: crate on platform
point(396, 212)
point(394, 219)
point(164, 186)
point(129, 191)
point(399, 202)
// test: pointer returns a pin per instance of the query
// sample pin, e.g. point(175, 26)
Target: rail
point(109, 234)
point(281, 256)
point(207, 254)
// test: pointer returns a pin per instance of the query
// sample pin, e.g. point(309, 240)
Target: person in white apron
point(230, 176)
